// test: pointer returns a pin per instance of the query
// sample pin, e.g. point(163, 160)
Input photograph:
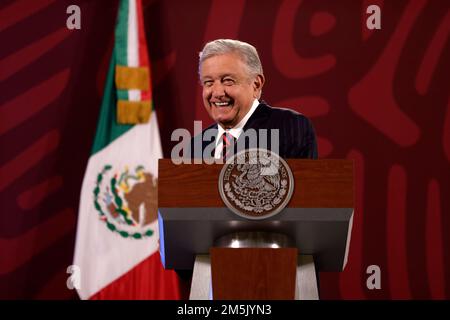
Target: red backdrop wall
point(380, 97)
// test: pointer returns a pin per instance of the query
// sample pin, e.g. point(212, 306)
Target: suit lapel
point(207, 142)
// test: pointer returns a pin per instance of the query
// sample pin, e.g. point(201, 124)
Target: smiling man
point(232, 78)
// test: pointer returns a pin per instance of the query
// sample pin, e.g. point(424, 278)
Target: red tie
point(227, 146)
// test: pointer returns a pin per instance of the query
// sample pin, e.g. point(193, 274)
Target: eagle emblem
point(256, 184)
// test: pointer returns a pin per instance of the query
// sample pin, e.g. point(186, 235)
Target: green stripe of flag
point(107, 128)
point(121, 41)
point(121, 34)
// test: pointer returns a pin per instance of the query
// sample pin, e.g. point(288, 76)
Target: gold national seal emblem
point(256, 184)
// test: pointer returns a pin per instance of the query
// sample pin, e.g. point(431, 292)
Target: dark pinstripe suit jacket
point(297, 138)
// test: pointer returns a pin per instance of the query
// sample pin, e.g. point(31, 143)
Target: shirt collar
point(237, 129)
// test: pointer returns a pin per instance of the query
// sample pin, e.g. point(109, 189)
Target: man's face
point(228, 88)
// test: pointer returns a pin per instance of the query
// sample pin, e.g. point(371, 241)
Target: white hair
point(246, 52)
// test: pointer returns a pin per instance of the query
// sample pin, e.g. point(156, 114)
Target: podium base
point(306, 279)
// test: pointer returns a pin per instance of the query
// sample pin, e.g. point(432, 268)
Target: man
point(232, 78)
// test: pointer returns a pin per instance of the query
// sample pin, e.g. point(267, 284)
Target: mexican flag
point(116, 251)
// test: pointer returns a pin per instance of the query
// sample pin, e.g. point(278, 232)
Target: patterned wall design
point(380, 97)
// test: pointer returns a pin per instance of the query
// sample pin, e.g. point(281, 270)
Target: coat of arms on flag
point(127, 200)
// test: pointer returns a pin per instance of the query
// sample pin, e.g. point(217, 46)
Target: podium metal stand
point(316, 227)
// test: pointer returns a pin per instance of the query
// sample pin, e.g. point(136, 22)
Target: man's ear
point(258, 83)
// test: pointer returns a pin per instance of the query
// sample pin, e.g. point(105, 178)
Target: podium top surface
point(326, 183)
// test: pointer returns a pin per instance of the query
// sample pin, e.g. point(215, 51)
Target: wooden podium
point(236, 258)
